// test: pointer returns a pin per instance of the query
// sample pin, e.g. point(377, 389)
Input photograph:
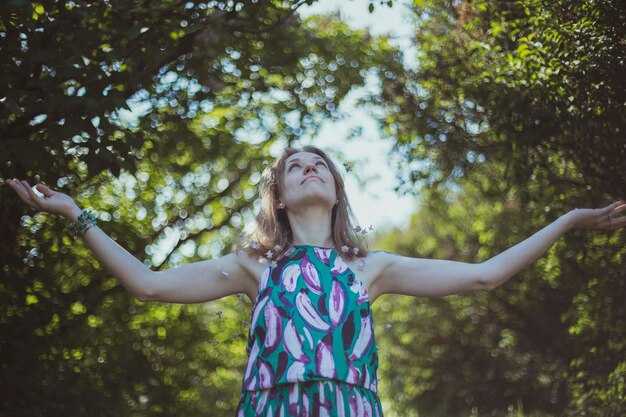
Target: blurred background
point(462, 128)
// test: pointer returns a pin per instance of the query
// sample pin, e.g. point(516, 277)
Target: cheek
point(288, 186)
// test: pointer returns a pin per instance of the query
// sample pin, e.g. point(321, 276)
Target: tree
point(480, 353)
point(220, 85)
point(532, 91)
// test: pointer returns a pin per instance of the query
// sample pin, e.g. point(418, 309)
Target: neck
point(311, 226)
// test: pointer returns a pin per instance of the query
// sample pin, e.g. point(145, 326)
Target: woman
point(311, 345)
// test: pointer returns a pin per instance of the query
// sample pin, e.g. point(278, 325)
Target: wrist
point(568, 220)
point(72, 213)
point(80, 221)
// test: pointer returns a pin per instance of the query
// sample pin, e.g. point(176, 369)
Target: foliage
point(521, 82)
point(515, 115)
point(219, 86)
point(514, 104)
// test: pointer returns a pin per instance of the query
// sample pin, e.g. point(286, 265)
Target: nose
point(310, 167)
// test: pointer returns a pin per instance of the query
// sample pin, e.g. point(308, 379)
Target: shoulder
point(240, 265)
point(378, 259)
point(381, 260)
point(370, 268)
point(381, 253)
point(381, 256)
point(249, 263)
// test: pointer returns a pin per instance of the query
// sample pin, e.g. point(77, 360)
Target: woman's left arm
point(435, 277)
point(500, 268)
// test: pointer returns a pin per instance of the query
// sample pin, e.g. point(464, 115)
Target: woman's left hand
point(606, 218)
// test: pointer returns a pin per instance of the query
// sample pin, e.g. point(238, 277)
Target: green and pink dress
point(311, 344)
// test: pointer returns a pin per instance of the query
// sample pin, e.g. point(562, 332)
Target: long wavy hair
point(271, 235)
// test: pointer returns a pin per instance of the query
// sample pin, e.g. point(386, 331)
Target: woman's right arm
point(191, 283)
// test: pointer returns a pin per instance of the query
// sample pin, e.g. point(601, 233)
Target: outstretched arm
point(435, 277)
point(191, 283)
point(500, 268)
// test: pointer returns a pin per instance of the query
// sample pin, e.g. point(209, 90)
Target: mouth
point(311, 177)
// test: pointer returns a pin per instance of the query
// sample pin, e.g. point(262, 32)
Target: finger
point(618, 209)
point(616, 222)
point(13, 185)
point(33, 197)
point(610, 207)
point(616, 226)
point(19, 188)
point(22, 193)
point(44, 190)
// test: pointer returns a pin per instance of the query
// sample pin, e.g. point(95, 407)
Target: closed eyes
point(297, 164)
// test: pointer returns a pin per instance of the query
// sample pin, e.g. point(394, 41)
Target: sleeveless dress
point(311, 346)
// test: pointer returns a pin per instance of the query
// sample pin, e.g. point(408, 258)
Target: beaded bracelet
point(85, 221)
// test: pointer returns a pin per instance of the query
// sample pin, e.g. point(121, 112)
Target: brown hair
point(272, 231)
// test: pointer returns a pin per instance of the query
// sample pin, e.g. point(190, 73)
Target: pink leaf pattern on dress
point(266, 374)
point(325, 405)
point(252, 382)
point(261, 404)
point(359, 288)
point(254, 352)
point(323, 254)
point(363, 296)
point(324, 362)
point(307, 333)
point(294, 404)
point(354, 375)
point(354, 406)
point(273, 324)
point(290, 277)
point(293, 342)
point(310, 275)
point(296, 371)
point(257, 310)
point(339, 267)
point(337, 303)
point(374, 385)
point(340, 404)
point(305, 404)
point(367, 409)
point(309, 313)
point(360, 408)
point(365, 338)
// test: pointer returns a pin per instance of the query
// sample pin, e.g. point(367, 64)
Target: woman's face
point(307, 181)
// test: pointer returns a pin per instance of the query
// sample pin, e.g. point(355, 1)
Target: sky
point(376, 204)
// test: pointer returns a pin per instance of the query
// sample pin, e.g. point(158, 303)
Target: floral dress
point(311, 346)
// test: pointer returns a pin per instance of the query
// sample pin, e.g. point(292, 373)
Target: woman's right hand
point(53, 202)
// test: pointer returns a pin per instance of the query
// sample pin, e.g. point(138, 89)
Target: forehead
point(303, 156)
